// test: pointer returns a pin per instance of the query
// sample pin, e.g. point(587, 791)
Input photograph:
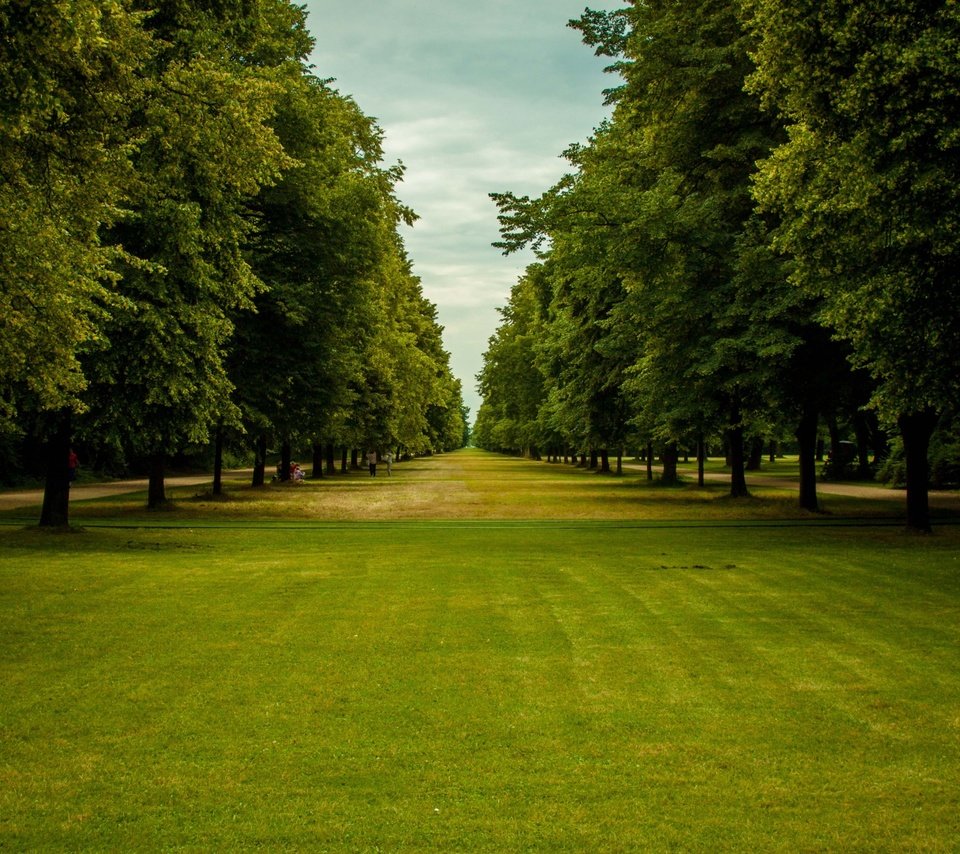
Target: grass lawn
point(554, 678)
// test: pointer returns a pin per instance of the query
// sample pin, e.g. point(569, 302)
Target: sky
point(473, 97)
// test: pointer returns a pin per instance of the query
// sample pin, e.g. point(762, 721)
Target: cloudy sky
point(474, 97)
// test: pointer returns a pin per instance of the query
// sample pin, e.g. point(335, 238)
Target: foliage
point(67, 71)
point(763, 235)
point(866, 187)
point(198, 233)
point(666, 313)
point(206, 149)
point(867, 183)
point(511, 381)
point(316, 247)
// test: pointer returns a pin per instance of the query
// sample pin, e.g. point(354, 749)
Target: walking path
point(12, 499)
point(938, 497)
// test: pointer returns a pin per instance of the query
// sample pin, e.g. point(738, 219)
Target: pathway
point(939, 498)
point(14, 498)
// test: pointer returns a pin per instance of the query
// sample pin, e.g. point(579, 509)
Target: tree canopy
point(197, 233)
point(762, 235)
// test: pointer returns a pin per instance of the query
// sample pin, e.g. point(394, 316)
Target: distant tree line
point(199, 241)
point(763, 239)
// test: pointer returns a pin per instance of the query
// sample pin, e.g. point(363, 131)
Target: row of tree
point(198, 238)
point(764, 234)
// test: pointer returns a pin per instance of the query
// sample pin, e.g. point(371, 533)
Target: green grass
point(477, 486)
point(582, 684)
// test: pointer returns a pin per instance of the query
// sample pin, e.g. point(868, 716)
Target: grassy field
point(471, 485)
point(479, 654)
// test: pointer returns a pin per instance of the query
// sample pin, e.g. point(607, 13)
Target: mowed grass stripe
point(416, 687)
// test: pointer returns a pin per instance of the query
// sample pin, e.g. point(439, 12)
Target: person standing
point(372, 462)
point(389, 459)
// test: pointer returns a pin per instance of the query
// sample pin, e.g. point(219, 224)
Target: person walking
point(372, 462)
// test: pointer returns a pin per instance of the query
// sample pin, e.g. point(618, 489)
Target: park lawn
point(473, 485)
point(216, 682)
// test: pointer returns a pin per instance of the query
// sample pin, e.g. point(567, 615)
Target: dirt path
point(13, 499)
point(939, 498)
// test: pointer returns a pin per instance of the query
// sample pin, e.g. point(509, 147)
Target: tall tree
point(406, 369)
point(205, 149)
point(665, 190)
point(694, 136)
point(511, 381)
point(317, 248)
point(68, 80)
point(868, 189)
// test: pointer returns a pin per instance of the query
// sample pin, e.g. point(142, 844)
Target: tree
point(205, 148)
point(67, 71)
point(868, 190)
point(406, 369)
point(319, 243)
point(511, 381)
point(664, 190)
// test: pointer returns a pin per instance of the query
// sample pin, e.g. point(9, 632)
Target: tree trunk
point(285, 461)
point(756, 454)
point(354, 459)
point(316, 467)
point(619, 462)
point(738, 478)
point(806, 434)
point(55, 512)
point(605, 460)
point(259, 459)
point(862, 430)
point(772, 449)
point(156, 491)
point(331, 463)
point(343, 460)
point(649, 460)
point(218, 460)
point(878, 439)
point(836, 453)
point(701, 459)
point(916, 430)
point(593, 459)
point(670, 457)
